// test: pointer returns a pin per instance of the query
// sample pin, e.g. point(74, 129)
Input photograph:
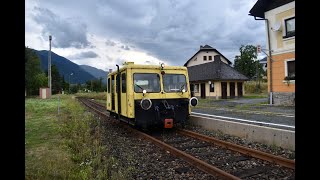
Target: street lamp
point(69, 82)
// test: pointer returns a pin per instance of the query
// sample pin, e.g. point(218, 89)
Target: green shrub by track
point(64, 146)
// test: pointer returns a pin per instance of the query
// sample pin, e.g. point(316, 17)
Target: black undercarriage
point(161, 109)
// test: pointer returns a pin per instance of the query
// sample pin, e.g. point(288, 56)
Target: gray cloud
point(125, 47)
point(65, 32)
point(174, 30)
point(110, 43)
point(109, 58)
point(84, 55)
point(170, 30)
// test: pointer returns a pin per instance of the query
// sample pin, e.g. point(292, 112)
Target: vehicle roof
point(142, 66)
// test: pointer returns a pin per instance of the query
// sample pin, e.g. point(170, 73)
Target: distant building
point(279, 16)
point(211, 75)
point(44, 93)
point(263, 62)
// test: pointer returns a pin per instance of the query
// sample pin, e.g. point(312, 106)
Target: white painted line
point(234, 122)
point(267, 113)
point(243, 120)
point(258, 112)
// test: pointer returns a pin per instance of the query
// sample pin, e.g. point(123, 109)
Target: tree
point(64, 84)
point(73, 89)
point(246, 64)
point(34, 77)
point(95, 85)
point(56, 80)
point(41, 80)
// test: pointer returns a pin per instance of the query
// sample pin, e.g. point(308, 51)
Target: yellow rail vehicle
point(149, 95)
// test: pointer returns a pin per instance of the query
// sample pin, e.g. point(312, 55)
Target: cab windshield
point(174, 82)
point(149, 82)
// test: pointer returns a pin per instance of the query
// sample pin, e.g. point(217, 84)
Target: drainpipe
point(270, 57)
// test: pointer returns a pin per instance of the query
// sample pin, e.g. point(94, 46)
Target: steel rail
point(202, 165)
point(94, 109)
point(188, 158)
point(241, 149)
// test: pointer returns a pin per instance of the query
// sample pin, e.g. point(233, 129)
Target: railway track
point(238, 161)
point(213, 156)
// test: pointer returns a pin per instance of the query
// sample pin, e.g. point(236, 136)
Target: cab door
point(109, 94)
point(113, 94)
point(123, 90)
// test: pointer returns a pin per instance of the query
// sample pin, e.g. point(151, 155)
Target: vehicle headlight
point(193, 101)
point(145, 104)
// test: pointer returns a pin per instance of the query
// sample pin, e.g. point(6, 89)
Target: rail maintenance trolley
point(148, 96)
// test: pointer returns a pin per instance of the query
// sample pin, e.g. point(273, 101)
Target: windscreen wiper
point(183, 86)
point(139, 87)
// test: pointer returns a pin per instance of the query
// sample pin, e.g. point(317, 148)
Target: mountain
point(96, 72)
point(65, 67)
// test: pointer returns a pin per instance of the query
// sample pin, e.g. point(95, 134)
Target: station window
point(211, 87)
point(196, 87)
point(204, 58)
point(210, 58)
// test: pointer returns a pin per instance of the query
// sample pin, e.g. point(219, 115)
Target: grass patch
point(255, 87)
point(243, 106)
point(94, 95)
point(65, 146)
point(255, 96)
point(45, 157)
point(101, 101)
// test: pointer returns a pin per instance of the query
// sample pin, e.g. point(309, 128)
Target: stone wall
point(284, 98)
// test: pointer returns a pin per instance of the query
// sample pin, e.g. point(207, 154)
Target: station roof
point(216, 70)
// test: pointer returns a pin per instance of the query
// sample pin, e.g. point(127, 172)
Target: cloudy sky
point(103, 33)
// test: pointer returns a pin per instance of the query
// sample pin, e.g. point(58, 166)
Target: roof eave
point(262, 6)
point(216, 79)
point(256, 16)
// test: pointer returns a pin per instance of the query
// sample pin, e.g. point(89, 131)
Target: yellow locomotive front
point(149, 96)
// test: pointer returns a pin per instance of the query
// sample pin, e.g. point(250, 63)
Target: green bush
point(68, 145)
point(94, 95)
point(252, 87)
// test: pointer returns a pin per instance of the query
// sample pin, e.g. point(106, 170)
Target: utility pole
point(49, 67)
point(256, 63)
point(70, 82)
point(257, 86)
